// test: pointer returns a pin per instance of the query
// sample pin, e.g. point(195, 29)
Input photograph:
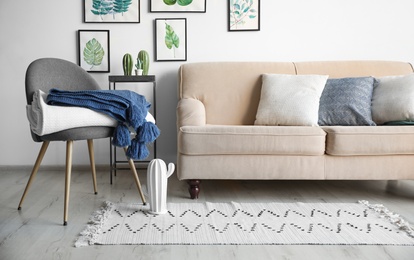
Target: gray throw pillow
point(392, 99)
point(347, 102)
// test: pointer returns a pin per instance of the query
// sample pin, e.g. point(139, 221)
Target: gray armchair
point(48, 73)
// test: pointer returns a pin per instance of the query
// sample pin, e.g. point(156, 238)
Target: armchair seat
point(80, 133)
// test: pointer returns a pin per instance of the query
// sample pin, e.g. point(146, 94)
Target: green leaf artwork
point(121, 6)
point(110, 7)
point(93, 53)
point(170, 2)
point(172, 41)
point(240, 11)
point(179, 2)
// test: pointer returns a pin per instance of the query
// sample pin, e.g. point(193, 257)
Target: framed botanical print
point(111, 11)
point(244, 15)
point(178, 6)
point(171, 39)
point(93, 50)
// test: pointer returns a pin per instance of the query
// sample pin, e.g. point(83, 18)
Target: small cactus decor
point(139, 64)
point(127, 64)
point(138, 67)
point(143, 56)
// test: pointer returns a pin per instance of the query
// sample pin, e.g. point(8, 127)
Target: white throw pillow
point(393, 99)
point(290, 99)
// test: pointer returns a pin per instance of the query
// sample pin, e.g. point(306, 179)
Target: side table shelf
point(113, 80)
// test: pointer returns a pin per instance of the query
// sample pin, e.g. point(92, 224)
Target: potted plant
point(138, 67)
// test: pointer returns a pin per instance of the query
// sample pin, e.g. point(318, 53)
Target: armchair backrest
point(48, 73)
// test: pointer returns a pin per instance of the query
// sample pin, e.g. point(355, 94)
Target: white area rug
point(247, 224)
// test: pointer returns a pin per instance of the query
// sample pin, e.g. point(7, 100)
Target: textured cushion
point(290, 99)
point(368, 140)
point(347, 101)
point(254, 140)
point(393, 99)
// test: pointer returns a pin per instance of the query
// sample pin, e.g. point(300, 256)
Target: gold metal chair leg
point(92, 162)
point(34, 170)
point(69, 148)
point(135, 174)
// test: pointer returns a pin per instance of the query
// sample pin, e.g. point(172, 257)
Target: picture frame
point(93, 50)
point(173, 6)
point(243, 15)
point(111, 11)
point(171, 39)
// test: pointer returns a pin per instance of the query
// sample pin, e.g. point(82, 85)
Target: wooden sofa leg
point(194, 188)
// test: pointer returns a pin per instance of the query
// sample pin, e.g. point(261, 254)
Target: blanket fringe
point(137, 150)
point(148, 132)
point(122, 136)
point(88, 236)
point(391, 216)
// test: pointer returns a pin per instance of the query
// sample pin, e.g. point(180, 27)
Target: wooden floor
point(36, 232)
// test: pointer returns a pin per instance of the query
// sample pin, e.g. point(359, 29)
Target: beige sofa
point(217, 138)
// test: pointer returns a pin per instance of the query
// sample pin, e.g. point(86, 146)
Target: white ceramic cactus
point(157, 176)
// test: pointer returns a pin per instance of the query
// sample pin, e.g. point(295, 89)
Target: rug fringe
point(391, 216)
point(88, 236)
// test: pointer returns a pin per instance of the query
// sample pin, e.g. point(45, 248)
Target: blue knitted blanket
point(128, 107)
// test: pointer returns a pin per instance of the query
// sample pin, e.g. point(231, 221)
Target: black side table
point(113, 80)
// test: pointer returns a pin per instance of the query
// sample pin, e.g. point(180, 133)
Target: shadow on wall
point(166, 101)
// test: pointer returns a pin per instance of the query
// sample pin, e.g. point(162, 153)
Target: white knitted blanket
point(46, 119)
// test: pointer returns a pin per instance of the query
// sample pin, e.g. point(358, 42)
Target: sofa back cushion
point(343, 69)
point(230, 91)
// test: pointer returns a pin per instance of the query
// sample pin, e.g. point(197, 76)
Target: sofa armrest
point(190, 112)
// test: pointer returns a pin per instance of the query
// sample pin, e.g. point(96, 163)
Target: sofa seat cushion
point(257, 140)
point(369, 140)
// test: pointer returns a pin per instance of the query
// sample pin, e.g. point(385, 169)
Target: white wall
point(291, 30)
